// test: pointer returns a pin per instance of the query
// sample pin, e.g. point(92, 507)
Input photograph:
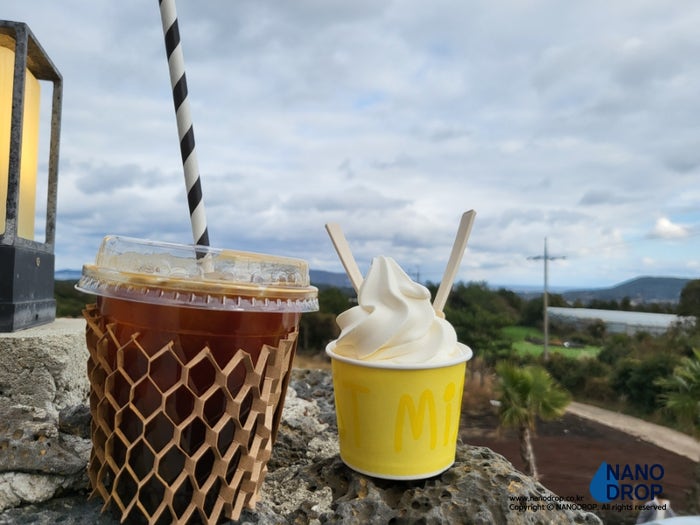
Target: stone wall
point(44, 451)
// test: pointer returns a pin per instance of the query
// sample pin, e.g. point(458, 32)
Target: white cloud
point(571, 122)
point(665, 229)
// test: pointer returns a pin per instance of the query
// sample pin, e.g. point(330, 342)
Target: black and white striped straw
point(178, 80)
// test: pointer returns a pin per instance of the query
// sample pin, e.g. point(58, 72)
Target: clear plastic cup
point(190, 355)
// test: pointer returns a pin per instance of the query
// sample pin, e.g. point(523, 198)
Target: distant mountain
point(639, 290)
point(67, 275)
point(322, 278)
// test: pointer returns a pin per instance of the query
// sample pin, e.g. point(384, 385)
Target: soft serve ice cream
point(398, 379)
point(394, 322)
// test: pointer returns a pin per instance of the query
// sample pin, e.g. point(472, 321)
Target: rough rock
point(53, 357)
point(43, 391)
point(308, 483)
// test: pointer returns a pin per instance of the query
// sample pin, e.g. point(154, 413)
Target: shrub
point(566, 371)
point(637, 380)
point(599, 389)
point(576, 374)
point(618, 347)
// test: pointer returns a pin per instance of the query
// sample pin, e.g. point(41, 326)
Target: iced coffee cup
point(190, 355)
point(398, 379)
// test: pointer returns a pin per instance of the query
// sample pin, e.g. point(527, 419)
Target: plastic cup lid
point(198, 276)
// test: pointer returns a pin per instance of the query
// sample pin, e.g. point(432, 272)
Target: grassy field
point(520, 335)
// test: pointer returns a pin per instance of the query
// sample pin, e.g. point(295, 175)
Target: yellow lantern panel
point(30, 145)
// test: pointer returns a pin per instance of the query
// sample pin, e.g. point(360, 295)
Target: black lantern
point(26, 265)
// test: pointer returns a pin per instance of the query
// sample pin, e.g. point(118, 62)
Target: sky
point(578, 122)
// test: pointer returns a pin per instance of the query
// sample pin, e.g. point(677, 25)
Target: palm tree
point(682, 396)
point(525, 394)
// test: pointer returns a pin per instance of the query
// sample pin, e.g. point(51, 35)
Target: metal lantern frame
point(27, 266)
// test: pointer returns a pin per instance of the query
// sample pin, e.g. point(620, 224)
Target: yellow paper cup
point(400, 422)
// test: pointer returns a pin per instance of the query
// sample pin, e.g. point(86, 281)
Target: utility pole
point(545, 298)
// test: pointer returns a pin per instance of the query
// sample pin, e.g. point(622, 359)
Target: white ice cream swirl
point(394, 321)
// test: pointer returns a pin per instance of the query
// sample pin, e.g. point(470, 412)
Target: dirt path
point(660, 436)
point(571, 449)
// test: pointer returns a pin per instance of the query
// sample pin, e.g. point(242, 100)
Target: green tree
point(689, 302)
point(511, 298)
point(333, 300)
point(479, 316)
point(532, 312)
point(526, 393)
point(316, 330)
point(69, 301)
point(682, 392)
point(602, 304)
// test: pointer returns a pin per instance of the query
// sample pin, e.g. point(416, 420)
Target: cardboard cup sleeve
point(171, 447)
